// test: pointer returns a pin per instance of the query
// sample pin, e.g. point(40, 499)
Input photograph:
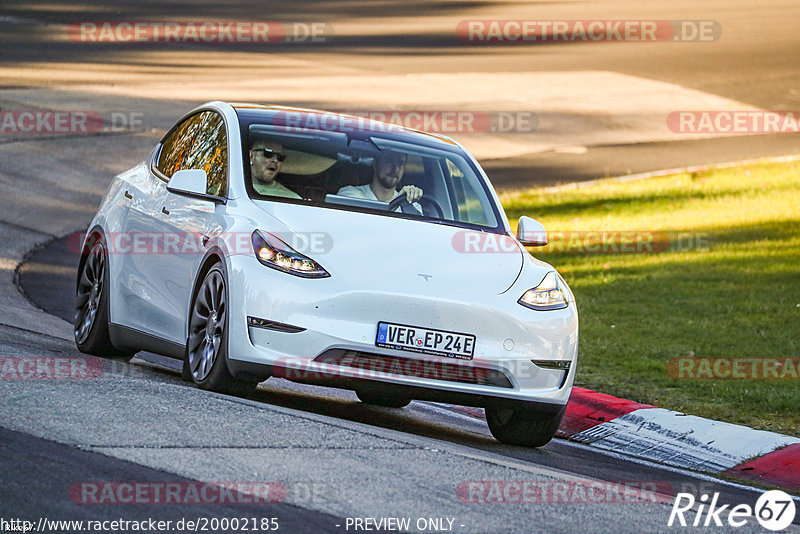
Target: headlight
point(546, 296)
point(273, 252)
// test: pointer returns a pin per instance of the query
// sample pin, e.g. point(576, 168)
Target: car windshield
point(365, 172)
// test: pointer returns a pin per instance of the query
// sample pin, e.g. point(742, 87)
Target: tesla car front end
point(346, 289)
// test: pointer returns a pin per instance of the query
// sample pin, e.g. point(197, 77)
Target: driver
point(388, 170)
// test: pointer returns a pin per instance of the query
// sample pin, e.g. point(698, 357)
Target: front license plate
point(425, 340)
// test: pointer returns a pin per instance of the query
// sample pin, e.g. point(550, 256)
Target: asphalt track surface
point(34, 466)
point(140, 422)
point(46, 278)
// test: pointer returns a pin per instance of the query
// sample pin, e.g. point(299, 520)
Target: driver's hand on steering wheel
point(412, 193)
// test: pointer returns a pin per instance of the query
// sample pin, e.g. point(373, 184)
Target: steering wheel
point(428, 203)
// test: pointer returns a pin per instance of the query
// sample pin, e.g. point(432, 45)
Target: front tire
point(90, 323)
point(206, 360)
point(520, 425)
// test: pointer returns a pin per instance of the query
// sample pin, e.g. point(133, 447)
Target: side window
point(175, 148)
point(210, 153)
point(470, 208)
point(199, 142)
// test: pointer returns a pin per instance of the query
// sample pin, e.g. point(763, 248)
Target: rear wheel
point(520, 425)
point(206, 360)
point(390, 400)
point(90, 323)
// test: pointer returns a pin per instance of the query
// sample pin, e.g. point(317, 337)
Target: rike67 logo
point(774, 510)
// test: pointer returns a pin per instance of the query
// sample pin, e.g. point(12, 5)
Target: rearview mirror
point(191, 182)
point(531, 232)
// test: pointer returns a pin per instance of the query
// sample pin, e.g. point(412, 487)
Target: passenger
point(266, 159)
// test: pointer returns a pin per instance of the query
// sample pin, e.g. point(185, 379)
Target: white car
point(259, 241)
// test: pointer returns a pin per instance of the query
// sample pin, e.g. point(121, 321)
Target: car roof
point(342, 120)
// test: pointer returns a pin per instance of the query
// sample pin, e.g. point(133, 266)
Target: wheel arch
point(213, 256)
point(88, 242)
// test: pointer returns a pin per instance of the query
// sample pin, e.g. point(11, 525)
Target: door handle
point(128, 195)
point(164, 210)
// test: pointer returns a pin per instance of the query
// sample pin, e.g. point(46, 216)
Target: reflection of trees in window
point(210, 152)
point(177, 146)
point(199, 143)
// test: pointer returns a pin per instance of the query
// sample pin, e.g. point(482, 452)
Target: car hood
point(392, 253)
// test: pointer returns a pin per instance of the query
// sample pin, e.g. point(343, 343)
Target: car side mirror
point(192, 183)
point(531, 232)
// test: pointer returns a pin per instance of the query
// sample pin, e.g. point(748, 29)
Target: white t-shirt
point(366, 192)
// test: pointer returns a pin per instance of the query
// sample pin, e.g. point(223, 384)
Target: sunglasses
point(269, 153)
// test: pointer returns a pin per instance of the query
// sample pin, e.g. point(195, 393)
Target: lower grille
point(380, 364)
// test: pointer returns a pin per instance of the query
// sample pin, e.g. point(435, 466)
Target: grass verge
point(685, 266)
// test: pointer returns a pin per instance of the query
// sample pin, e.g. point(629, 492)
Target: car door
point(143, 305)
point(188, 223)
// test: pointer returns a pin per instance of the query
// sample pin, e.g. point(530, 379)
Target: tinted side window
point(470, 207)
point(176, 146)
point(210, 152)
point(199, 142)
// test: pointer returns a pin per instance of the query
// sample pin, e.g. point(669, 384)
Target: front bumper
point(327, 318)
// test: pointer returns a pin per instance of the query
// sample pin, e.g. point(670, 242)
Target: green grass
point(730, 287)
